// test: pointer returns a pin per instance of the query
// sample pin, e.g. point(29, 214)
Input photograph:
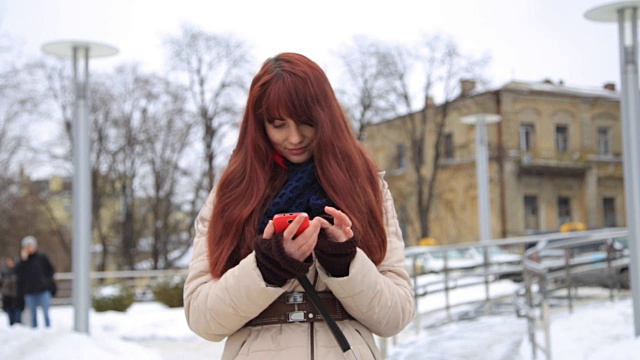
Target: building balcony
point(559, 164)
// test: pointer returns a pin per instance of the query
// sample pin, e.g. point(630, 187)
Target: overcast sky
point(526, 39)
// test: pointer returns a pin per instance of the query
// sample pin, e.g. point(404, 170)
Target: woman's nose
point(294, 135)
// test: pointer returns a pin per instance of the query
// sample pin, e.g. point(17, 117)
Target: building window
point(447, 148)
point(527, 132)
point(564, 210)
point(609, 206)
point(531, 213)
point(562, 138)
point(604, 141)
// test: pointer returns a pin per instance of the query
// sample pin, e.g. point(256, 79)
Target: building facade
point(555, 158)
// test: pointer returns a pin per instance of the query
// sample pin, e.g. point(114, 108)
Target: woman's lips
point(297, 151)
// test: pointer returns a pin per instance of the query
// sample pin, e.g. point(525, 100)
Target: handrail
point(123, 274)
point(141, 280)
point(539, 280)
point(549, 277)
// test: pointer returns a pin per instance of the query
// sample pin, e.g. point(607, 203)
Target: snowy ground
point(154, 332)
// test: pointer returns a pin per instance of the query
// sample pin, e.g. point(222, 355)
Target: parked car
point(498, 256)
point(595, 271)
point(588, 263)
point(502, 263)
point(425, 259)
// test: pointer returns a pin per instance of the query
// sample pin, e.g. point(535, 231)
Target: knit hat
point(29, 240)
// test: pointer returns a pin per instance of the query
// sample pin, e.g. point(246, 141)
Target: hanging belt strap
point(335, 330)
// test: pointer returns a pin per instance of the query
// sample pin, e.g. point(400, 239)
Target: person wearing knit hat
point(29, 240)
point(35, 279)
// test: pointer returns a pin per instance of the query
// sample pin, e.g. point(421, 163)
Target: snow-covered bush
point(113, 298)
point(169, 291)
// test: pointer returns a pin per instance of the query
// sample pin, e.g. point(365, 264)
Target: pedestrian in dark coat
point(12, 300)
point(35, 279)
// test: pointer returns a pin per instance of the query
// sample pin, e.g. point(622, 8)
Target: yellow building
point(555, 158)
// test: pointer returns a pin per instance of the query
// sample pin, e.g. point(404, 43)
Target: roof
point(550, 88)
point(529, 87)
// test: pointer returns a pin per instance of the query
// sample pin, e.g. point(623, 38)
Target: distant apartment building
point(554, 158)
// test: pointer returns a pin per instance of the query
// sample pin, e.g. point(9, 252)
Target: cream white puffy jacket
point(379, 297)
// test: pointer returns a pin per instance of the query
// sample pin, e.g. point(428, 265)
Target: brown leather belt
point(296, 307)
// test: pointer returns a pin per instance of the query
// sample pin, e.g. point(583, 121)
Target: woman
point(296, 153)
point(12, 300)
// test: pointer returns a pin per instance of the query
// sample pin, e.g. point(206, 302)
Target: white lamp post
point(626, 15)
point(482, 169)
point(482, 174)
point(80, 52)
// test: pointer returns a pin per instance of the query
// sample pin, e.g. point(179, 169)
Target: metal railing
point(563, 265)
point(140, 281)
point(540, 280)
point(485, 272)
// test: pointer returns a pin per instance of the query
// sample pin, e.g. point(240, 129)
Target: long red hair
point(294, 87)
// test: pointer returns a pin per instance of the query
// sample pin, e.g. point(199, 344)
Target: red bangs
point(285, 96)
point(291, 86)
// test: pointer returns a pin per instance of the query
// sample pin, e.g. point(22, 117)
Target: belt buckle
point(296, 298)
point(297, 316)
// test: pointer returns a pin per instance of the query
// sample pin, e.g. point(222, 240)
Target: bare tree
point(165, 137)
point(11, 142)
point(131, 112)
point(113, 162)
point(18, 102)
point(104, 181)
point(11, 138)
point(441, 66)
point(365, 92)
point(130, 89)
point(58, 77)
point(215, 67)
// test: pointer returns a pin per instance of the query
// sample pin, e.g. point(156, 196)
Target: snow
point(561, 89)
point(152, 331)
point(147, 331)
point(603, 331)
point(108, 291)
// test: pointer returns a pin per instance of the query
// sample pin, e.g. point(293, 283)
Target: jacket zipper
point(312, 354)
point(311, 342)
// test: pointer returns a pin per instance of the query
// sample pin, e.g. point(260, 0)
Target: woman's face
point(9, 262)
point(292, 140)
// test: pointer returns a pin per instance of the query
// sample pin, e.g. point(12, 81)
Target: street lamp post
point(80, 52)
point(482, 175)
point(626, 16)
point(482, 169)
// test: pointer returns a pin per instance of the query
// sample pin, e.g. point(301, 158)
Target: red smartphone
point(282, 221)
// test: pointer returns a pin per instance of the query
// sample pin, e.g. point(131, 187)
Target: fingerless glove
point(274, 264)
point(335, 257)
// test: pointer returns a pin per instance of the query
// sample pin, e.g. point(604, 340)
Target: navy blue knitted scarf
point(301, 193)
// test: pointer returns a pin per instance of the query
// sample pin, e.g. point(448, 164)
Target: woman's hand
point(302, 246)
point(341, 230)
